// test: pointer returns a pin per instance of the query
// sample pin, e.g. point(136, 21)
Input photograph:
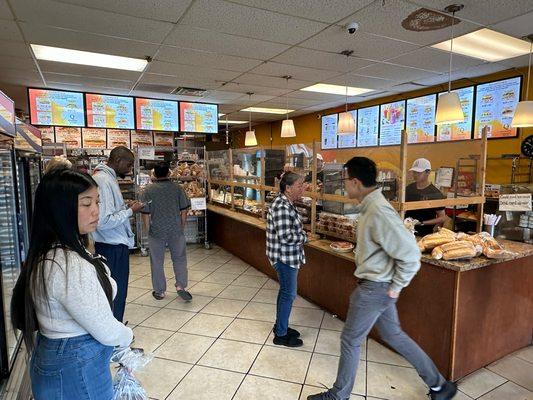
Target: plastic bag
point(125, 385)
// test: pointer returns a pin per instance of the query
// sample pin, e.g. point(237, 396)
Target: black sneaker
point(446, 392)
point(290, 332)
point(288, 340)
point(158, 296)
point(321, 396)
point(184, 295)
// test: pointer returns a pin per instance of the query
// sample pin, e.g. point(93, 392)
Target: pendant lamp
point(346, 124)
point(250, 139)
point(449, 110)
point(287, 126)
point(523, 115)
point(227, 130)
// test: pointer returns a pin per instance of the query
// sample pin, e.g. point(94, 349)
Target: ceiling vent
point(186, 91)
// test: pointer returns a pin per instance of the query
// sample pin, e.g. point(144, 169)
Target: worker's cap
point(421, 165)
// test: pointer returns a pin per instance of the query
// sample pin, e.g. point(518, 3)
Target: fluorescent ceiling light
point(59, 54)
point(336, 89)
point(267, 110)
point(221, 114)
point(223, 121)
point(486, 44)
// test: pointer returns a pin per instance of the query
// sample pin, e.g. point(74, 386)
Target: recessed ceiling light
point(486, 44)
point(70, 56)
point(229, 121)
point(335, 89)
point(267, 110)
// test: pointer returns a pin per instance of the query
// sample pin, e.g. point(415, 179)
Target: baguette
point(495, 253)
point(436, 239)
point(443, 250)
point(457, 254)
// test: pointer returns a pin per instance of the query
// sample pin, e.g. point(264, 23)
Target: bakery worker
point(421, 189)
point(319, 172)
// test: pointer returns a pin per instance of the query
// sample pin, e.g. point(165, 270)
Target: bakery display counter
point(464, 314)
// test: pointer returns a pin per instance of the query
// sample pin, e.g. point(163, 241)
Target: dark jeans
point(73, 368)
point(118, 261)
point(288, 281)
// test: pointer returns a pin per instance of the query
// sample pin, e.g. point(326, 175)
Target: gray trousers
point(369, 305)
point(177, 246)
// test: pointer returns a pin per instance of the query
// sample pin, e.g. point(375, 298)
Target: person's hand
point(392, 294)
point(136, 206)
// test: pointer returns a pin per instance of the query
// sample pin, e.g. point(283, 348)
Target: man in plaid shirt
point(285, 238)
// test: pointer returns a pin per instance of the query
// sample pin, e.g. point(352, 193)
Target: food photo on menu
point(392, 123)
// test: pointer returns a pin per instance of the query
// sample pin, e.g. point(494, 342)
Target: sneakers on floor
point(158, 296)
point(184, 295)
point(290, 331)
point(288, 341)
point(447, 392)
point(321, 396)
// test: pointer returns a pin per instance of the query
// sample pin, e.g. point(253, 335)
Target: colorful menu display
point(7, 115)
point(392, 122)
point(460, 130)
point(348, 141)
point(495, 106)
point(47, 134)
point(163, 139)
point(156, 115)
point(28, 137)
point(54, 107)
point(421, 119)
point(141, 139)
point(367, 126)
point(104, 111)
point(118, 137)
point(329, 131)
point(94, 138)
point(70, 136)
point(198, 117)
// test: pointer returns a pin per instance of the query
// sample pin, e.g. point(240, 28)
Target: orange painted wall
point(308, 129)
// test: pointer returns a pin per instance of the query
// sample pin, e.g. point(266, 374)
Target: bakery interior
point(244, 90)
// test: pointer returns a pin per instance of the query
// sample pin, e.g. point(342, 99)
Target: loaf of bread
point(461, 253)
point(497, 253)
point(453, 249)
point(433, 240)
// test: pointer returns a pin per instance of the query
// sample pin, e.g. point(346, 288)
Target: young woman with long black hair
point(65, 294)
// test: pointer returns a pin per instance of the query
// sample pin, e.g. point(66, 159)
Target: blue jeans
point(288, 281)
point(118, 260)
point(71, 369)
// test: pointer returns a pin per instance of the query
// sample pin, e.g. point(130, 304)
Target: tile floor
point(219, 346)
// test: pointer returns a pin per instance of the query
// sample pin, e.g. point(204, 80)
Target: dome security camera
point(352, 27)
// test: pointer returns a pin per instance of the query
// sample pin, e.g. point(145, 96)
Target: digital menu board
point(329, 131)
point(420, 119)
point(94, 138)
point(118, 137)
point(54, 107)
point(105, 111)
point(495, 106)
point(156, 115)
point(7, 115)
point(459, 130)
point(348, 141)
point(70, 136)
point(28, 137)
point(198, 117)
point(367, 126)
point(392, 122)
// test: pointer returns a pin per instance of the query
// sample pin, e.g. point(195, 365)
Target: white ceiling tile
point(325, 11)
point(84, 70)
point(244, 88)
point(221, 95)
point(321, 97)
point(516, 62)
point(364, 45)
point(5, 12)
point(153, 94)
point(163, 10)
point(386, 20)
point(407, 87)
point(87, 82)
point(175, 81)
point(14, 49)
point(320, 59)
point(208, 40)
point(72, 39)
point(518, 27)
point(47, 12)
point(394, 72)
point(270, 81)
point(483, 12)
point(186, 71)
point(435, 60)
point(294, 104)
point(433, 80)
point(362, 81)
point(10, 31)
point(21, 63)
point(484, 69)
point(256, 99)
point(220, 15)
point(16, 75)
point(202, 58)
point(296, 72)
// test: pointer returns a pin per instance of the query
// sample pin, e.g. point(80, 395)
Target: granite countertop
point(520, 249)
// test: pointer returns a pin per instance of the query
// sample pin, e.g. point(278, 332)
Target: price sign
point(147, 153)
point(515, 202)
point(198, 203)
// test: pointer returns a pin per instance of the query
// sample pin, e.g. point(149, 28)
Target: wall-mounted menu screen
point(156, 115)
point(420, 119)
point(392, 122)
point(348, 141)
point(459, 130)
point(198, 117)
point(54, 107)
point(329, 131)
point(367, 126)
point(495, 106)
point(7, 115)
point(104, 111)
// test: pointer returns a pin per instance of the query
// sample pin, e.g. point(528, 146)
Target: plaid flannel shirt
point(285, 236)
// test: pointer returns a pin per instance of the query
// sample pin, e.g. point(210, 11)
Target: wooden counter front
point(463, 318)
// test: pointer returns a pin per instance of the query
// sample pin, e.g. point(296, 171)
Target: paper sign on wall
point(515, 202)
point(147, 153)
point(198, 203)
